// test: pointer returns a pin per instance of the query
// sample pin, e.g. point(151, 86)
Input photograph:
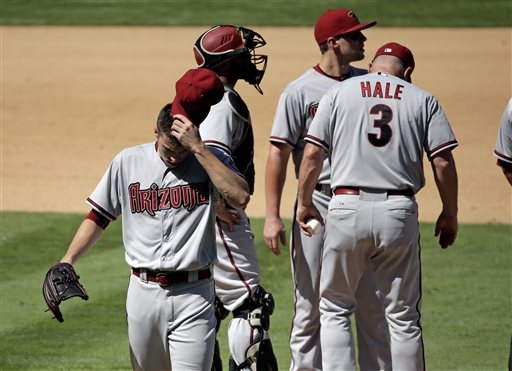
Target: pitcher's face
point(352, 46)
point(170, 150)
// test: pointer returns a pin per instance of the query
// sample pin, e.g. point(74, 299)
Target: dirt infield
point(72, 97)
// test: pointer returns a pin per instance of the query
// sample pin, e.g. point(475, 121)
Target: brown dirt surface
point(72, 97)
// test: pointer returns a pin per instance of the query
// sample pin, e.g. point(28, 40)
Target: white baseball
point(315, 225)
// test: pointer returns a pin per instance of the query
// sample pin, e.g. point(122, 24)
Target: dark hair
point(164, 120)
point(164, 123)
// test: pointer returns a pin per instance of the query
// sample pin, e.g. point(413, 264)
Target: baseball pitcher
point(167, 194)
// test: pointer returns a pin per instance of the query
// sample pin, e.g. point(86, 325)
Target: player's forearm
point(275, 178)
point(506, 168)
point(508, 174)
point(232, 187)
point(85, 238)
point(445, 175)
point(310, 169)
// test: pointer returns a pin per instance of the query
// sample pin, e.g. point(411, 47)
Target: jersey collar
point(322, 72)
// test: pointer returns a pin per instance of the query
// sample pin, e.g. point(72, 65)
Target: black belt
point(164, 278)
point(345, 190)
point(324, 188)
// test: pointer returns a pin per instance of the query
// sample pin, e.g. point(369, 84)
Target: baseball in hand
point(315, 225)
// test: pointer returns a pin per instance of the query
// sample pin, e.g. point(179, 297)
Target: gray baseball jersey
point(228, 127)
point(168, 225)
point(374, 156)
point(503, 149)
point(156, 203)
point(298, 104)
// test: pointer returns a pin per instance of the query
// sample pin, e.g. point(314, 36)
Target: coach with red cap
point(375, 130)
point(167, 193)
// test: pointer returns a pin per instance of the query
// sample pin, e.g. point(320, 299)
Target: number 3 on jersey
point(385, 115)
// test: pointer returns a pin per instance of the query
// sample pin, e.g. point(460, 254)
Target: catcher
point(167, 192)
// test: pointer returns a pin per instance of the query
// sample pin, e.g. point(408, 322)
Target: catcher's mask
point(222, 43)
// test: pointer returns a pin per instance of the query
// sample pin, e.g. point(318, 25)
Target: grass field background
point(466, 298)
point(390, 13)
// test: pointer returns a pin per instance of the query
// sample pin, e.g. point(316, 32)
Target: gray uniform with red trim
point(236, 271)
point(168, 225)
point(375, 129)
point(503, 149)
point(296, 109)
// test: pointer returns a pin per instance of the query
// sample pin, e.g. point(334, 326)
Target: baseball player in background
point(167, 193)
point(503, 149)
point(374, 130)
point(229, 51)
point(338, 34)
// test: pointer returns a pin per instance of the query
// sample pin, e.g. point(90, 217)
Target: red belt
point(355, 191)
point(173, 278)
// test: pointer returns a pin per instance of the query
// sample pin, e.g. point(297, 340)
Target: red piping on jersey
point(337, 78)
point(319, 141)
point(101, 210)
point(502, 156)
point(281, 140)
point(232, 260)
point(438, 148)
point(214, 143)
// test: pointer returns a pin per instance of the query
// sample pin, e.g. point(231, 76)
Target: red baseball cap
point(399, 51)
point(336, 22)
point(196, 91)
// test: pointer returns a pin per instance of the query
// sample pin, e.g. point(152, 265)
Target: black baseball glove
point(61, 283)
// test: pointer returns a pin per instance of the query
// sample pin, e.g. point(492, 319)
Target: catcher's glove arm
point(61, 283)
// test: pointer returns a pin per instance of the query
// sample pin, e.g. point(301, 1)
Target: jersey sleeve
point(439, 132)
point(319, 131)
point(226, 160)
point(105, 198)
point(503, 148)
point(221, 129)
point(288, 120)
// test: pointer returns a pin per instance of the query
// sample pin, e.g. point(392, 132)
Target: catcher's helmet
point(225, 42)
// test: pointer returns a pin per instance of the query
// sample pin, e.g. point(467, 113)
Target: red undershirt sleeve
point(98, 218)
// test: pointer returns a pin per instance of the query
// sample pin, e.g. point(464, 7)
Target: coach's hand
point(446, 229)
point(304, 214)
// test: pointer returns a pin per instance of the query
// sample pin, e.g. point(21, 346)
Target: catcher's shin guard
point(259, 357)
point(260, 354)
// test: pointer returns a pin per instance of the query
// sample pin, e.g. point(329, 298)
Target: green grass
point(466, 298)
point(394, 13)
